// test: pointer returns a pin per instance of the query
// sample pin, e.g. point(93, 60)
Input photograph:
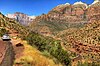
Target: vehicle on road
point(6, 37)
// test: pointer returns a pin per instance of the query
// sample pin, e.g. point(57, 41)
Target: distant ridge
point(66, 16)
point(22, 18)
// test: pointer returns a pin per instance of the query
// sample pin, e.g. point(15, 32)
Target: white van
point(6, 37)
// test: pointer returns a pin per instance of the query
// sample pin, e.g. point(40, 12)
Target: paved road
point(9, 55)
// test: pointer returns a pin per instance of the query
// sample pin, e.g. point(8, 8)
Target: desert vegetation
point(50, 45)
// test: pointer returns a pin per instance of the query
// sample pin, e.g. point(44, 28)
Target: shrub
point(50, 45)
point(3, 31)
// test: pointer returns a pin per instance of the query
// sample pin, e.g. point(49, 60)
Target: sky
point(33, 7)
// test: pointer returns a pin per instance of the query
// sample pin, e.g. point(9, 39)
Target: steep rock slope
point(66, 16)
point(18, 31)
point(21, 18)
point(84, 41)
point(93, 11)
point(11, 25)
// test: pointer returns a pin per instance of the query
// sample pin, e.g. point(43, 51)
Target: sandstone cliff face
point(69, 13)
point(94, 11)
point(72, 13)
point(66, 15)
point(21, 17)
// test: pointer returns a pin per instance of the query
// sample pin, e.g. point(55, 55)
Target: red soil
point(2, 50)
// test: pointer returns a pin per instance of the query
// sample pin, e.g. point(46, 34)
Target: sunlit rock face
point(76, 12)
point(67, 13)
point(21, 17)
point(93, 11)
point(62, 15)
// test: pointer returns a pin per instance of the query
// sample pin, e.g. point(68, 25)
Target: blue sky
point(33, 7)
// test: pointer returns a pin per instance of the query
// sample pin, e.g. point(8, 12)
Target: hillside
point(30, 56)
point(15, 30)
point(77, 26)
point(84, 41)
point(51, 50)
point(10, 25)
point(65, 16)
point(69, 35)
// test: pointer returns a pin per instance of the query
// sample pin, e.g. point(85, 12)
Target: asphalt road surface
point(9, 55)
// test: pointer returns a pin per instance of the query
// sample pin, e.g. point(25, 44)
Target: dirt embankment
point(7, 54)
